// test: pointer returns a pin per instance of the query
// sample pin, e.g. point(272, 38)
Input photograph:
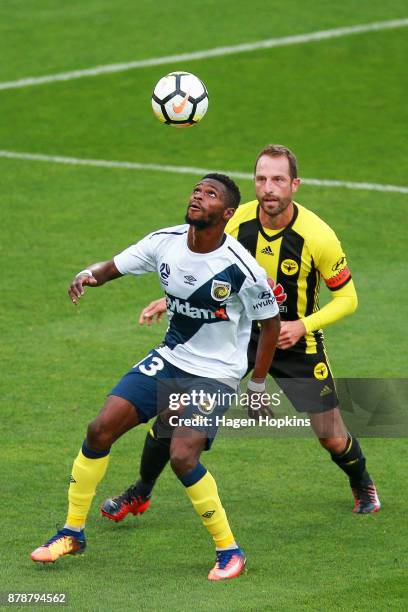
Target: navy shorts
point(154, 385)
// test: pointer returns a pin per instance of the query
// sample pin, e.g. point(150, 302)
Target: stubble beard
point(201, 223)
point(283, 203)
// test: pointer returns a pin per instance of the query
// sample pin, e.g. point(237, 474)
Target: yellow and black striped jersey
point(298, 256)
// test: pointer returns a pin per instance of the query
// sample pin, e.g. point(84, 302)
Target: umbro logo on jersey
point(189, 279)
point(267, 251)
point(325, 391)
point(208, 514)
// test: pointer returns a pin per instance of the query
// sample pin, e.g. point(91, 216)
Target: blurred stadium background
point(340, 103)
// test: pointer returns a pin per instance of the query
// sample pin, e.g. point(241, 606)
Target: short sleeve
point(137, 259)
point(258, 299)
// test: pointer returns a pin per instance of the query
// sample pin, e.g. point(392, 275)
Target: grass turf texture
point(339, 105)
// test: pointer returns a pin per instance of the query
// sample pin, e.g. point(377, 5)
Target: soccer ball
point(180, 99)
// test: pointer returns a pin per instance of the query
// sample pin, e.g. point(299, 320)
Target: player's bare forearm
point(94, 276)
point(267, 343)
point(104, 271)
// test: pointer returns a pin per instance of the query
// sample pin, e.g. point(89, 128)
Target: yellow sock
point(204, 497)
point(86, 474)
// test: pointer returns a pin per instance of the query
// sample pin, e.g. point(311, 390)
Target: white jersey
point(212, 298)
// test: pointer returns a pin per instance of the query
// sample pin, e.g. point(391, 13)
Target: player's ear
point(228, 213)
point(295, 184)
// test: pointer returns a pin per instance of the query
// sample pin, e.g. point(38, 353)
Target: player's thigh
point(306, 380)
point(116, 417)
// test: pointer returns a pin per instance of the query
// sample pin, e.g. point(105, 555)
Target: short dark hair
point(275, 150)
point(233, 192)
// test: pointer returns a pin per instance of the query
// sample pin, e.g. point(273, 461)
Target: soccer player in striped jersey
point(298, 250)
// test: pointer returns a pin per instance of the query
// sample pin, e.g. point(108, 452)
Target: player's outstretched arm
point(154, 311)
point(96, 275)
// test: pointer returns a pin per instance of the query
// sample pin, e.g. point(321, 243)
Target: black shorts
point(305, 379)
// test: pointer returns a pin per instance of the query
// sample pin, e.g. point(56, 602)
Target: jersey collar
point(284, 229)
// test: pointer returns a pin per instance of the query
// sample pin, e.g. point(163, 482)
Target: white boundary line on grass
point(216, 52)
point(103, 163)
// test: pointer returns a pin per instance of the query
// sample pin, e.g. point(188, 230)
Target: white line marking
point(103, 163)
point(217, 52)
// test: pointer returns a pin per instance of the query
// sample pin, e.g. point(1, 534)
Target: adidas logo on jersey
point(325, 391)
point(267, 251)
point(183, 307)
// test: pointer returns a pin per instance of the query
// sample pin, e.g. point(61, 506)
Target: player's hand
point(290, 333)
point(259, 404)
point(76, 288)
point(278, 291)
point(153, 312)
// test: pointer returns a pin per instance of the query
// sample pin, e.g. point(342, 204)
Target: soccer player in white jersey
point(214, 289)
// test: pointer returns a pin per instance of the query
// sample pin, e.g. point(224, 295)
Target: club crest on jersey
point(220, 290)
point(289, 267)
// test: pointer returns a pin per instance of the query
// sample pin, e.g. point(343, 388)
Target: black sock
point(155, 456)
point(352, 462)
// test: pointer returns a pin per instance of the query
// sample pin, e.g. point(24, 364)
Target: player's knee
point(98, 436)
point(336, 446)
point(182, 461)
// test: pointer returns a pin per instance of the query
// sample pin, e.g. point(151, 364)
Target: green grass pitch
point(340, 105)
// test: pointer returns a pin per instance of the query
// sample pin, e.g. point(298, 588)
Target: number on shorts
point(153, 367)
